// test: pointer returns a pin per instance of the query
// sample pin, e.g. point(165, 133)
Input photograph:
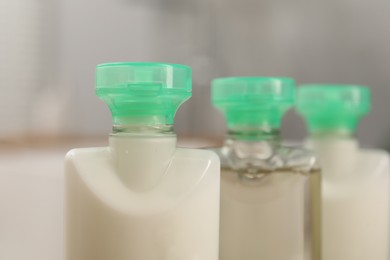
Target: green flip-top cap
point(333, 107)
point(253, 101)
point(143, 93)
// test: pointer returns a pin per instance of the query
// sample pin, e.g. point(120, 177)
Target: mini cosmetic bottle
point(270, 194)
point(142, 198)
point(355, 181)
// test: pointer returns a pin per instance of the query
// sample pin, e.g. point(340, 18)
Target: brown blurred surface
point(64, 143)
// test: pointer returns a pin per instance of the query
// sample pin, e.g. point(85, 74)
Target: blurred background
point(49, 50)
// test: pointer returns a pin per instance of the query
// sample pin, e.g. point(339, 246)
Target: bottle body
point(108, 217)
point(355, 199)
point(270, 204)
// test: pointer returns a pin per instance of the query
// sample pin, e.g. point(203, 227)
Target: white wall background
point(341, 41)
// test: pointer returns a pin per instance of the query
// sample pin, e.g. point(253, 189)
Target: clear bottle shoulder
point(266, 157)
point(263, 172)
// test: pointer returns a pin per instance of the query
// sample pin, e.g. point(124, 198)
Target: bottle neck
point(153, 124)
point(333, 143)
point(143, 129)
point(250, 150)
point(337, 150)
point(141, 154)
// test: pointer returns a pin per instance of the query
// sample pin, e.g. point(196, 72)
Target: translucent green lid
point(253, 101)
point(333, 107)
point(143, 93)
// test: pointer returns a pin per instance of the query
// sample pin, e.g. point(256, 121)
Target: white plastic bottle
point(270, 194)
point(355, 181)
point(142, 198)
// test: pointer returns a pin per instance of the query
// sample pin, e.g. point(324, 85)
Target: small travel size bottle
point(270, 194)
point(355, 181)
point(142, 198)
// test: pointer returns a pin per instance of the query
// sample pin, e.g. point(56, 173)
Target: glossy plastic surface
point(333, 107)
point(253, 101)
point(143, 93)
point(153, 206)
